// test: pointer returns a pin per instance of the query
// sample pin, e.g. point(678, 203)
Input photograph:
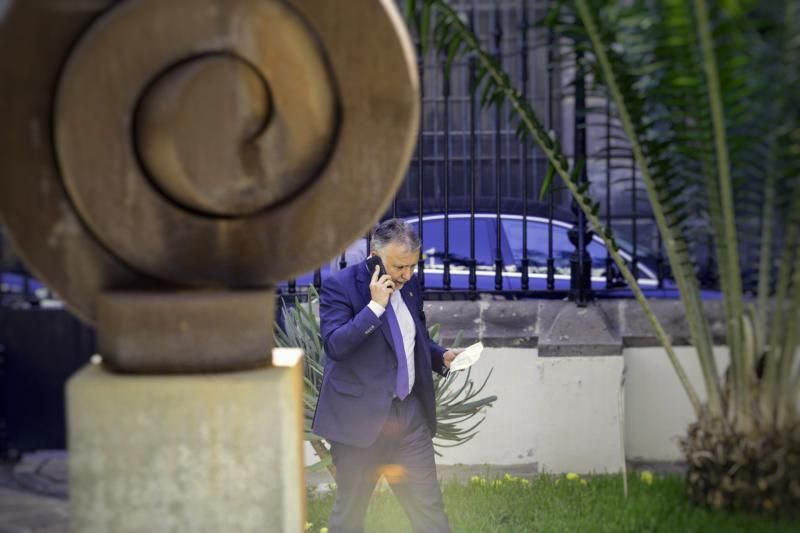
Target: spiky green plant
point(457, 397)
point(301, 330)
point(708, 97)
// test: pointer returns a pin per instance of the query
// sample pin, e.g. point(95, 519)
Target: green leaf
point(452, 52)
point(425, 25)
point(548, 180)
point(577, 172)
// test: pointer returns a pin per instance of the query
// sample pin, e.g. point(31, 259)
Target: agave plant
point(457, 404)
point(707, 96)
point(457, 397)
point(300, 329)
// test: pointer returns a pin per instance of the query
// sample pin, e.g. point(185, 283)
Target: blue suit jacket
point(360, 362)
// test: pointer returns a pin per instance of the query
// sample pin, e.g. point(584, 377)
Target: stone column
point(196, 453)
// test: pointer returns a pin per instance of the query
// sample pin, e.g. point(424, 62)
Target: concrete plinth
point(194, 453)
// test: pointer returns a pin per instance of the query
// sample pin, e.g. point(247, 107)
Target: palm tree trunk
point(740, 366)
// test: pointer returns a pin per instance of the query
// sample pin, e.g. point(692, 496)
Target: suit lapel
point(362, 283)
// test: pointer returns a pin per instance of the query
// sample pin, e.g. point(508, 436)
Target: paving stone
point(43, 472)
point(24, 512)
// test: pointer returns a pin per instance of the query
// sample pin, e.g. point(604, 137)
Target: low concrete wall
point(562, 412)
point(556, 373)
point(657, 410)
point(557, 412)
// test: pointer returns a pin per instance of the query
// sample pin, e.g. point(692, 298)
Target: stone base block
point(580, 331)
point(195, 453)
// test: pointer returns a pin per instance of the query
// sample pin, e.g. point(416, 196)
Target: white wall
point(558, 412)
point(657, 410)
point(562, 412)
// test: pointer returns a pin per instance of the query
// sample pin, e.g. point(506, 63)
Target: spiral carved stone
point(165, 163)
point(154, 146)
point(230, 130)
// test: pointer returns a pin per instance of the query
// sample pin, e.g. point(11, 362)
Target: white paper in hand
point(468, 357)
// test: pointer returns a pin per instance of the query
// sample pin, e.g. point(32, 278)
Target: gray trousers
point(403, 453)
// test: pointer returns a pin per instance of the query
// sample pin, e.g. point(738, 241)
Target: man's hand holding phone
point(381, 286)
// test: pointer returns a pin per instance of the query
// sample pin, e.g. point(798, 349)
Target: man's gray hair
point(397, 231)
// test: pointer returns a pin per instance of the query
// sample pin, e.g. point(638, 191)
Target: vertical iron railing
point(634, 209)
point(581, 262)
point(473, 177)
point(421, 165)
point(660, 264)
point(609, 261)
point(446, 167)
point(551, 58)
point(498, 258)
point(524, 280)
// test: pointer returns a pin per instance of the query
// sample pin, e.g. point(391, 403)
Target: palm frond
point(451, 33)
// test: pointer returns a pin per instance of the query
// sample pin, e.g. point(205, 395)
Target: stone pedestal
point(189, 453)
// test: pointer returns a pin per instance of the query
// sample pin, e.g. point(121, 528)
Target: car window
point(459, 233)
point(598, 252)
point(485, 239)
point(538, 247)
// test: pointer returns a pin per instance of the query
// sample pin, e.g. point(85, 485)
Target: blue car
point(511, 248)
point(21, 291)
point(433, 253)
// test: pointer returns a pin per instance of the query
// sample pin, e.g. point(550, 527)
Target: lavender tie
point(401, 383)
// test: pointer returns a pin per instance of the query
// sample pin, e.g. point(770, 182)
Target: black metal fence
point(472, 189)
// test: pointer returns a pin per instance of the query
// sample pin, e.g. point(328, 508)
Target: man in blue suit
point(376, 405)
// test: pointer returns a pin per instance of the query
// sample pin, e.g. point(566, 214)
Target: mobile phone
point(375, 260)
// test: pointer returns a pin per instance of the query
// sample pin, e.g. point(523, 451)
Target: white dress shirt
point(407, 329)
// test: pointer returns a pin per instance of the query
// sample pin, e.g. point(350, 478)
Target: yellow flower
point(483, 482)
point(584, 482)
point(572, 476)
point(508, 477)
point(475, 479)
point(309, 525)
point(323, 530)
point(525, 482)
point(647, 477)
point(497, 483)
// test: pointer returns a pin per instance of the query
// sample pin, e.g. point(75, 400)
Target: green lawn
point(554, 504)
